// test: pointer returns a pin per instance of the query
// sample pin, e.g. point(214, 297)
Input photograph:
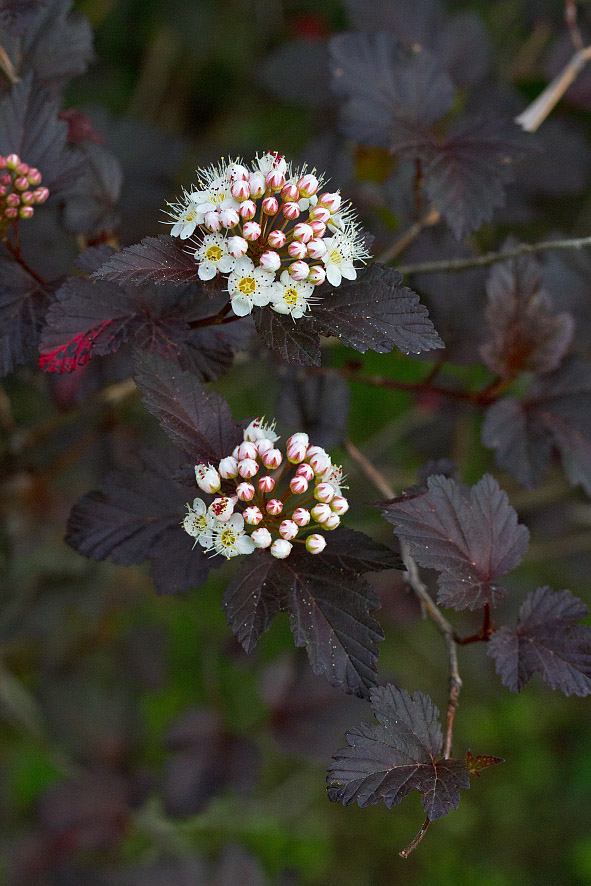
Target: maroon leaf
point(160, 259)
point(376, 312)
point(23, 303)
point(294, 341)
point(17, 15)
point(475, 765)
point(471, 536)
point(525, 335)
point(547, 640)
point(388, 761)
point(196, 420)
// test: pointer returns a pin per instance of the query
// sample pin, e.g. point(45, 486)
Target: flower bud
point(321, 512)
point(236, 172)
point(34, 177)
point(303, 232)
point(275, 179)
point(298, 270)
point(270, 261)
point(331, 201)
point(305, 471)
point(290, 193)
point(320, 213)
point(296, 448)
point(317, 275)
point(245, 491)
point(229, 218)
point(222, 508)
point(228, 468)
point(252, 515)
point(316, 247)
point(297, 249)
point(308, 185)
point(270, 206)
point(212, 221)
point(274, 506)
point(28, 198)
point(247, 450)
point(301, 516)
point(258, 185)
point(298, 485)
point(11, 212)
point(291, 211)
point(276, 239)
point(13, 200)
point(332, 521)
point(22, 169)
point(251, 230)
point(281, 548)
point(266, 484)
point(237, 246)
point(288, 529)
point(247, 210)
point(2, 161)
point(26, 212)
point(12, 161)
point(207, 478)
point(41, 195)
point(324, 492)
point(319, 461)
point(6, 179)
point(339, 505)
point(21, 183)
point(248, 468)
point(240, 190)
point(261, 538)
point(3, 190)
point(272, 459)
point(315, 543)
point(264, 446)
point(318, 228)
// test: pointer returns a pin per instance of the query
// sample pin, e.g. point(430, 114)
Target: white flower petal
point(245, 544)
point(333, 275)
point(207, 270)
point(241, 305)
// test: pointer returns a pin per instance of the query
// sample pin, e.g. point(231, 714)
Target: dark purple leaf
point(317, 405)
point(471, 536)
point(386, 85)
point(17, 15)
point(253, 597)
point(546, 640)
point(475, 764)
point(388, 761)
point(93, 257)
point(160, 259)
point(375, 312)
point(197, 421)
point(136, 517)
point(23, 303)
point(525, 335)
point(296, 341)
point(523, 445)
point(91, 206)
point(29, 127)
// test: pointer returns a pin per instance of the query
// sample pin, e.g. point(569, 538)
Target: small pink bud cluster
point(19, 190)
point(274, 502)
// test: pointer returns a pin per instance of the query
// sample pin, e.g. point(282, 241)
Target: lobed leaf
point(23, 303)
point(295, 341)
point(475, 764)
point(470, 536)
point(546, 640)
point(157, 260)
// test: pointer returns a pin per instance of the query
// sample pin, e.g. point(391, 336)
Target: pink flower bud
point(2, 161)
point(315, 543)
point(270, 261)
point(235, 452)
point(11, 212)
point(22, 169)
point(318, 228)
point(13, 200)
point(305, 471)
point(291, 211)
point(236, 172)
point(34, 177)
point(319, 462)
point(339, 505)
point(41, 195)
point(301, 516)
point(248, 468)
point(317, 275)
point(303, 232)
point(266, 484)
point(237, 246)
point(212, 221)
point(229, 218)
point(258, 184)
point(298, 270)
point(270, 206)
point(274, 506)
point(26, 212)
point(296, 448)
point(251, 230)
point(228, 468)
point(281, 548)
point(247, 210)
point(275, 180)
point(247, 450)
point(6, 179)
point(264, 446)
point(21, 183)
point(321, 512)
point(252, 515)
point(308, 185)
point(245, 491)
point(320, 213)
point(297, 249)
point(324, 492)
point(261, 538)
point(332, 521)
point(298, 485)
point(28, 198)
point(290, 193)
point(316, 247)
point(207, 478)
point(12, 161)
point(272, 459)
point(331, 201)
point(2, 190)
point(288, 529)
point(240, 190)
point(276, 239)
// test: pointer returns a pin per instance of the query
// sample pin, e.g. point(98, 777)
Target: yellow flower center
point(247, 285)
point(228, 538)
point(336, 256)
point(214, 253)
point(291, 296)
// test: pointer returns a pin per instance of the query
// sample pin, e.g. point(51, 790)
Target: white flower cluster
point(271, 230)
point(269, 491)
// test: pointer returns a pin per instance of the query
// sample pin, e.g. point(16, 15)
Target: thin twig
point(492, 258)
point(7, 67)
point(404, 853)
point(403, 242)
point(535, 113)
point(570, 17)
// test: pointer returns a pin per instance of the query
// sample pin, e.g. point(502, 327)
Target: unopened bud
point(11, 212)
point(237, 246)
point(247, 450)
point(332, 521)
point(275, 180)
point(21, 183)
point(321, 512)
point(26, 212)
point(266, 484)
point(299, 270)
point(290, 193)
point(272, 459)
point(317, 275)
point(301, 516)
point(316, 247)
point(298, 485)
point(2, 161)
point(320, 213)
point(339, 505)
point(245, 491)
point(212, 221)
point(248, 468)
point(303, 232)
point(296, 448)
point(258, 184)
point(247, 210)
point(252, 515)
point(318, 228)
point(315, 543)
point(228, 468)
point(288, 529)
point(241, 190)
point(207, 478)
point(229, 218)
point(281, 548)
point(291, 211)
point(13, 200)
point(22, 169)
point(41, 195)
point(12, 161)
point(34, 177)
point(324, 492)
point(6, 179)
point(28, 198)
point(274, 506)
point(331, 201)
point(261, 538)
point(308, 185)
point(264, 446)
point(251, 230)
point(276, 239)
point(305, 471)
point(270, 206)
point(270, 261)
point(297, 249)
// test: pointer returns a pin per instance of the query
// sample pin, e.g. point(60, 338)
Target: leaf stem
point(404, 853)
point(404, 241)
point(491, 258)
point(18, 256)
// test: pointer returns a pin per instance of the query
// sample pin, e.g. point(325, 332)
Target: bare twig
point(7, 67)
point(535, 113)
point(570, 17)
point(403, 242)
point(404, 853)
point(492, 258)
